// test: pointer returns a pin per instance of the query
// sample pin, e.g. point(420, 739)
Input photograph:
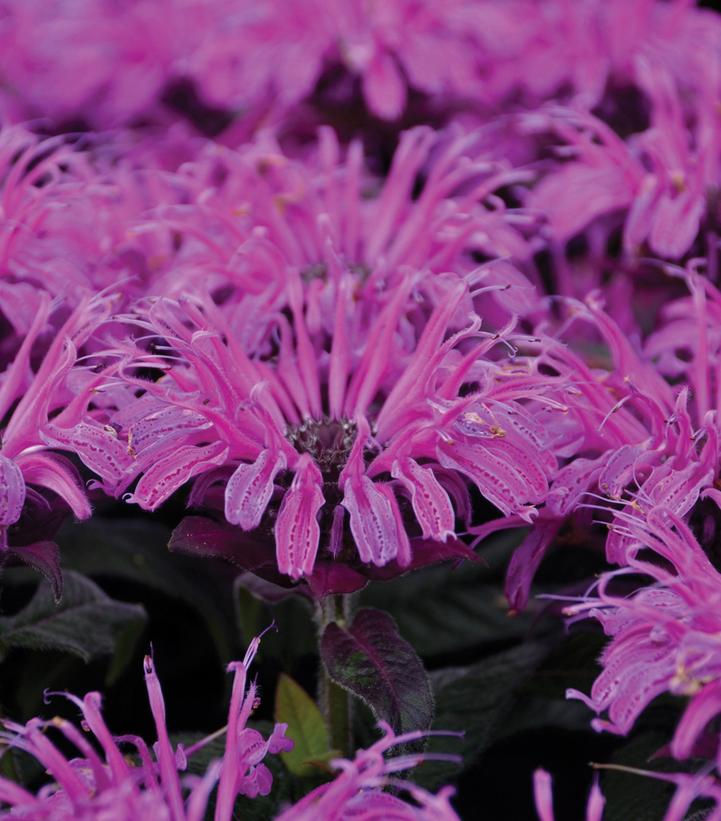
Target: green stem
point(335, 702)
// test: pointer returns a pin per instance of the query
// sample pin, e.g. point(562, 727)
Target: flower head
point(105, 780)
point(664, 637)
point(346, 412)
point(243, 217)
point(33, 479)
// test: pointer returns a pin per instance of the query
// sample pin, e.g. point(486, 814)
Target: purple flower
point(660, 178)
point(108, 784)
point(31, 476)
point(344, 411)
point(632, 441)
point(582, 51)
point(295, 45)
point(358, 789)
point(253, 212)
point(664, 637)
point(48, 49)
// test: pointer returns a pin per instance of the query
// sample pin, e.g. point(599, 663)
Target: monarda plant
point(393, 327)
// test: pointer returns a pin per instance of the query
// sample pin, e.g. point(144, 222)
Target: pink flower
point(33, 478)
point(358, 788)
point(660, 179)
point(243, 216)
point(295, 44)
point(48, 49)
point(343, 409)
point(544, 49)
point(107, 784)
point(664, 637)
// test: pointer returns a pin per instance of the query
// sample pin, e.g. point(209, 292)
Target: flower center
point(327, 441)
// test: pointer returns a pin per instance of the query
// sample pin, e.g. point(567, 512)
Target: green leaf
point(632, 797)
point(477, 703)
point(445, 610)
point(125, 645)
point(248, 611)
point(86, 622)
point(135, 550)
point(373, 661)
point(294, 707)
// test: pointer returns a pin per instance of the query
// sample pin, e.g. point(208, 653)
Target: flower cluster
point(361, 284)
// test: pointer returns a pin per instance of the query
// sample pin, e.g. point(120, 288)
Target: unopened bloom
point(358, 789)
point(107, 784)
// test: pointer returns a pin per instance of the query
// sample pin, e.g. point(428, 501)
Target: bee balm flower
point(371, 421)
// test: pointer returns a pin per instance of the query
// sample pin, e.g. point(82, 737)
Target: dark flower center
point(327, 441)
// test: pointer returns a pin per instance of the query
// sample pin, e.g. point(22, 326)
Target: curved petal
point(431, 504)
point(12, 491)
point(59, 475)
point(371, 520)
point(172, 472)
point(297, 532)
point(249, 489)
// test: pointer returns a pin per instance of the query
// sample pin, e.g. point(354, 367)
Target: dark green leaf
point(477, 703)
point(442, 610)
point(374, 662)
point(135, 550)
point(632, 797)
point(125, 645)
point(248, 611)
point(86, 622)
point(45, 558)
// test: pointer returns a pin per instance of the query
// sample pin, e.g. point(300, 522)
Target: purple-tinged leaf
point(373, 661)
point(334, 577)
point(265, 590)
point(45, 558)
point(200, 536)
point(424, 552)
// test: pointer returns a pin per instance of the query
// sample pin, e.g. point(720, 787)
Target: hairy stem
point(335, 702)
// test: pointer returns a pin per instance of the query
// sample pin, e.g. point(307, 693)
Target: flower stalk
point(334, 700)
